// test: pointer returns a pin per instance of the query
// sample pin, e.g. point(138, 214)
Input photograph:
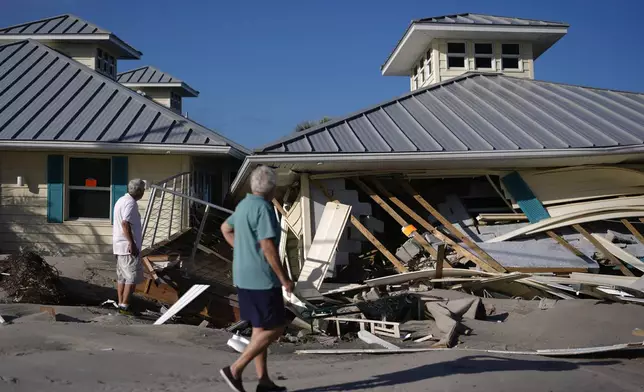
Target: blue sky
point(263, 66)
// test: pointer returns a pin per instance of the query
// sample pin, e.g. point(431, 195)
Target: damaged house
point(74, 130)
point(479, 166)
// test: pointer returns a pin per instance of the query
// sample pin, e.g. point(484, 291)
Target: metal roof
point(151, 76)
point(481, 113)
point(469, 18)
point(47, 97)
point(65, 27)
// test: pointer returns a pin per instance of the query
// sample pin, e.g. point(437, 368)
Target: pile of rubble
point(28, 278)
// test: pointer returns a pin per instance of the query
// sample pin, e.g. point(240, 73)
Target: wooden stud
point(488, 263)
point(614, 260)
point(633, 230)
point(307, 213)
point(564, 243)
point(284, 214)
point(440, 259)
point(365, 232)
point(415, 235)
point(426, 225)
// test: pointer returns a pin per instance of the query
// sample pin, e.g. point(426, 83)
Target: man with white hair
point(253, 232)
point(126, 243)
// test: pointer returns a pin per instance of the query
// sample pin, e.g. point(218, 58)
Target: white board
point(620, 253)
point(324, 245)
point(185, 299)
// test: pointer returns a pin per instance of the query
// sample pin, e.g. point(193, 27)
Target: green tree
point(304, 125)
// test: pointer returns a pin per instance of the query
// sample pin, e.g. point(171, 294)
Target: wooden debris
point(614, 261)
point(185, 299)
point(356, 223)
point(486, 262)
point(620, 253)
point(370, 338)
point(385, 328)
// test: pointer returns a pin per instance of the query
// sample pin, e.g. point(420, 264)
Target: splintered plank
point(633, 230)
point(365, 232)
point(614, 260)
point(486, 261)
point(401, 221)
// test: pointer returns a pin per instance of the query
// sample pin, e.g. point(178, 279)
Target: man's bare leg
point(261, 366)
point(128, 289)
point(259, 342)
point(119, 290)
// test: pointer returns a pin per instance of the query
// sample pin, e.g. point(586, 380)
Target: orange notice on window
point(90, 182)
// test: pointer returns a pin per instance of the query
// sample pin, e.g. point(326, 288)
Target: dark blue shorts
point(262, 308)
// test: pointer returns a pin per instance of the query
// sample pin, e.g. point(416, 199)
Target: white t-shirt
point(126, 209)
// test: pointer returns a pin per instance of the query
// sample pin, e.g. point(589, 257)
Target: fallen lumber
point(185, 299)
point(401, 221)
point(370, 338)
point(562, 352)
point(613, 260)
point(620, 253)
point(511, 277)
point(426, 225)
point(385, 328)
point(590, 215)
point(487, 262)
point(425, 274)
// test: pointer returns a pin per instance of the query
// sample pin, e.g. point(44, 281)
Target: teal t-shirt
point(252, 221)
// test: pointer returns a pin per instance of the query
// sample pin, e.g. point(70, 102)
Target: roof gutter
point(503, 156)
point(119, 147)
point(164, 85)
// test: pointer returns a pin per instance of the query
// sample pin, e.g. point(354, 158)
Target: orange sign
point(90, 182)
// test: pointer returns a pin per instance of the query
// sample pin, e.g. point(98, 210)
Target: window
point(90, 181)
point(414, 78)
point(105, 63)
point(175, 102)
point(429, 62)
point(456, 55)
point(421, 71)
point(510, 56)
point(483, 56)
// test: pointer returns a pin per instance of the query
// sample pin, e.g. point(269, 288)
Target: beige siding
point(159, 95)
point(23, 210)
point(83, 53)
point(441, 72)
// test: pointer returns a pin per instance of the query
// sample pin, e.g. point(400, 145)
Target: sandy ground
point(95, 350)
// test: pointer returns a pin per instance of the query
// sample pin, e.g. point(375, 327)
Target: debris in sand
point(31, 279)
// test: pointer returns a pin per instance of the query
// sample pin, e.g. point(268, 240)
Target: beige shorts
point(129, 269)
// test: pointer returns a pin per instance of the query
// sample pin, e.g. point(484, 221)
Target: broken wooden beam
point(487, 262)
point(401, 221)
point(613, 260)
point(365, 232)
point(633, 230)
point(426, 225)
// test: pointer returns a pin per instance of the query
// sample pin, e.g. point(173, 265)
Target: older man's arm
point(229, 233)
point(273, 259)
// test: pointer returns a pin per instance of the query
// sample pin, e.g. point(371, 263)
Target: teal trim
point(55, 188)
point(119, 179)
point(521, 192)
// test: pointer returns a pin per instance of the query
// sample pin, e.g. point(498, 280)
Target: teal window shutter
point(55, 188)
point(119, 179)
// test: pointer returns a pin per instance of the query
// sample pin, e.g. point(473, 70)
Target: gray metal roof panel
point(482, 112)
point(62, 24)
point(146, 74)
point(46, 96)
point(470, 18)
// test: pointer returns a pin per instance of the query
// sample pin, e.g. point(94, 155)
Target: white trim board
point(620, 253)
point(318, 258)
point(572, 219)
point(185, 299)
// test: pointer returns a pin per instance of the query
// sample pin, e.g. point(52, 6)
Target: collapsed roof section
point(52, 101)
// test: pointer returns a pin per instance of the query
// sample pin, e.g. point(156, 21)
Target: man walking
point(252, 230)
point(126, 242)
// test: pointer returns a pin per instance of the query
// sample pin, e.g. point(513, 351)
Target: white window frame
point(511, 56)
point(484, 55)
point(428, 63)
point(68, 188)
point(421, 71)
point(105, 58)
point(463, 55)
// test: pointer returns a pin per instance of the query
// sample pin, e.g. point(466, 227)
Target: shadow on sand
point(467, 365)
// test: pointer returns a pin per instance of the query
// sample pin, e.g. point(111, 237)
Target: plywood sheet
point(537, 255)
point(324, 245)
